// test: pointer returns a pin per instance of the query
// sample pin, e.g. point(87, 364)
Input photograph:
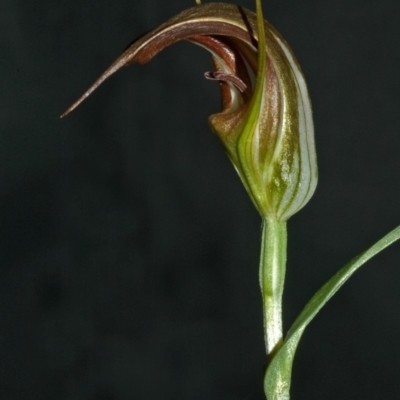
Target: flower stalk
point(272, 278)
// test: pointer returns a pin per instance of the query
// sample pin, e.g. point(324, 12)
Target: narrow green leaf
point(278, 375)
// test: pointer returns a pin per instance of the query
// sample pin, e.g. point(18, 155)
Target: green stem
point(272, 277)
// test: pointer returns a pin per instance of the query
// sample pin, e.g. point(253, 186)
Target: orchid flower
point(267, 130)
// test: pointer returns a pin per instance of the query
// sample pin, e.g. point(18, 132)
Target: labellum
point(266, 126)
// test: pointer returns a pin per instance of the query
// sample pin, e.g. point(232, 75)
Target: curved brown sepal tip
point(114, 67)
point(210, 19)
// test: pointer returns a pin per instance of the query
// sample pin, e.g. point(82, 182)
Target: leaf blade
point(278, 375)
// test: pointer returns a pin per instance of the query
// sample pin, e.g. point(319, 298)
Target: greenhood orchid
point(267, 130)
point(266, 127)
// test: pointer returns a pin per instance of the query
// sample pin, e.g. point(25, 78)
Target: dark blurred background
point(129, 249)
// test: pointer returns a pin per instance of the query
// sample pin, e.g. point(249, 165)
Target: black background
point(129, 249)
